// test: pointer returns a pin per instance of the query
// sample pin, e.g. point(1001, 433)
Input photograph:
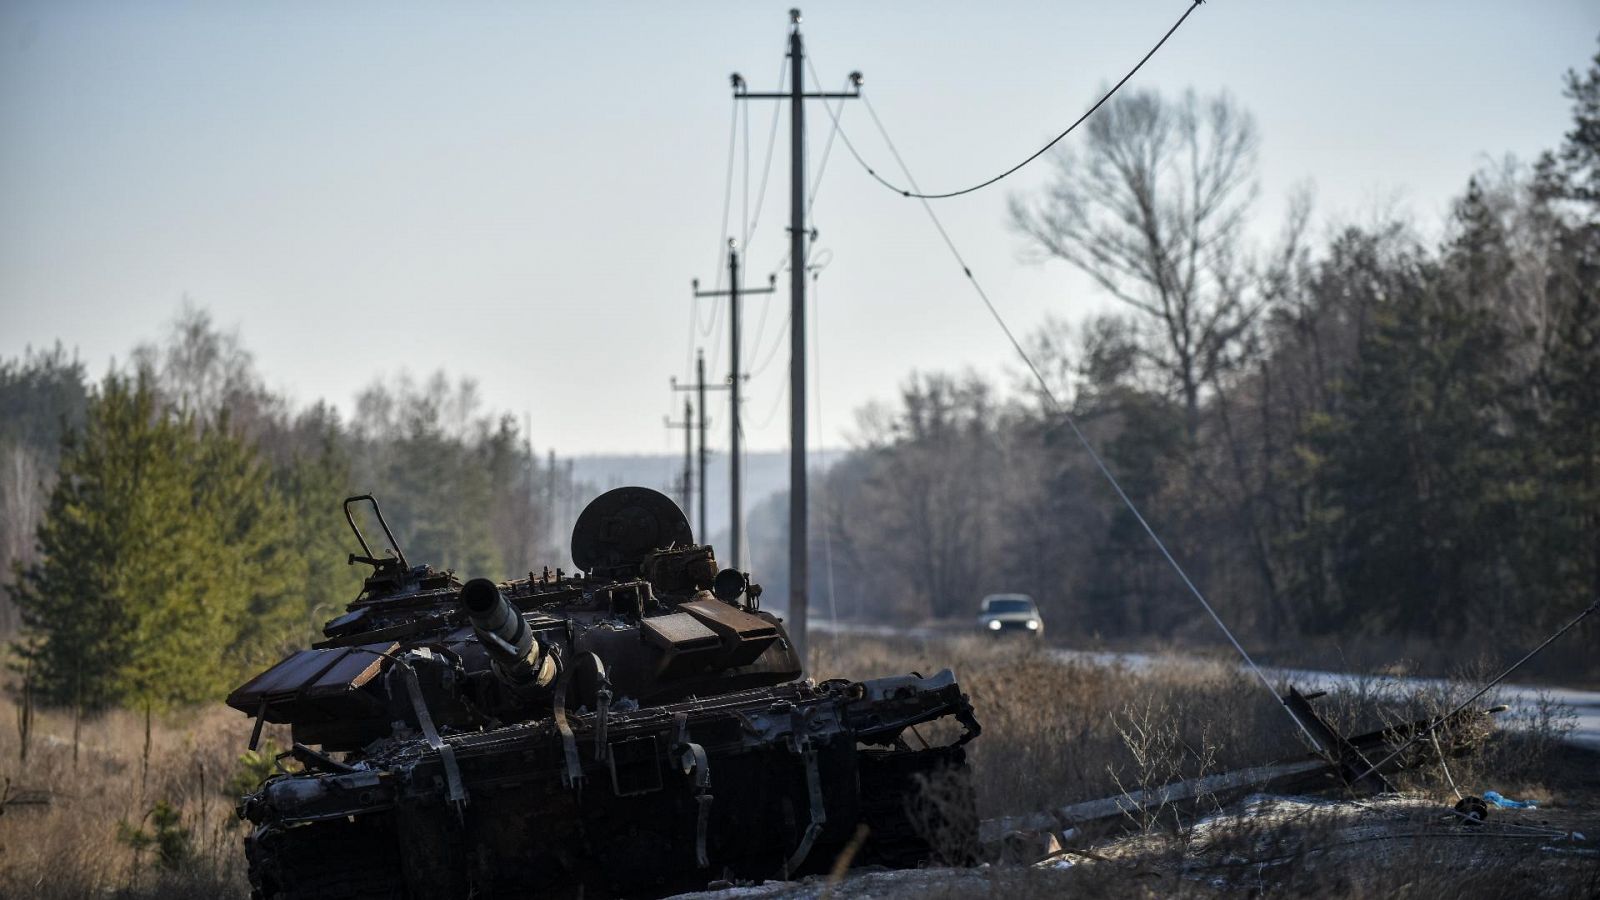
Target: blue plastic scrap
point(1506, 802)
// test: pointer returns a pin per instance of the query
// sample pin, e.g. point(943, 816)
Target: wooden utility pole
point(735, 376)
point(798, 574)
point(686, 483)
point(700, 387)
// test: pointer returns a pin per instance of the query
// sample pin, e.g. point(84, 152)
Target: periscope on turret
point(635, 728)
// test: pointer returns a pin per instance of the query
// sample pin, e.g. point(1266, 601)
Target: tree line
point(1368, 433)
point(1371, 433)
point(175, 525)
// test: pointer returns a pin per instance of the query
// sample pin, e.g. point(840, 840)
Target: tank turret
point(477, 739)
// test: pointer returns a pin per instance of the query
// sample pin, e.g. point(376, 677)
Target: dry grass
point(1058, 732)
point(1054, 733)
point(78, 842)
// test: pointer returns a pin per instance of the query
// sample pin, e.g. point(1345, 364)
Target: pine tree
point(1414, 472)
point(162, 558)
point(102, 544)
point(313, 482)
point(1568, 182)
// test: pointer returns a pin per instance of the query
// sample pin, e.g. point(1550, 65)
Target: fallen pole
point(1292, 776)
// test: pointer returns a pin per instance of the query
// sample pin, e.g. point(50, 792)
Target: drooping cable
point(766, 166)
point(1083, 439)
point(695, 327)
point(811, 202)
point(826, 494)
point(744, 196)
point(827, 147)
point(772, 410)
point(717, 344)
point(914, 192)
point(727, 199)
point(822, 167)
point(761, 195)
point(772, 351)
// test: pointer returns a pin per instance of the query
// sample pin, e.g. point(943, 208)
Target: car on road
point(1002, 614)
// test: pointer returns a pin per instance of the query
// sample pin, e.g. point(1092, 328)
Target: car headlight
point(1033, 624)
point(994, 624)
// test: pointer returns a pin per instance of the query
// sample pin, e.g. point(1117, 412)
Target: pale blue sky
point(522, 192)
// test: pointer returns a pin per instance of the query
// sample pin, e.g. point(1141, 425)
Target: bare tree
point(23, 490)
point(1151, 209)
point(203, 371)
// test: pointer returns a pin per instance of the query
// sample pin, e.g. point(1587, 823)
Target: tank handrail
point(393, 544)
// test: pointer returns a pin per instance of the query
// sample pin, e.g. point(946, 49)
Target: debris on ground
point(1506, 802)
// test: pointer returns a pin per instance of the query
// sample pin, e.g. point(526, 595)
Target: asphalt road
point(1584, 705)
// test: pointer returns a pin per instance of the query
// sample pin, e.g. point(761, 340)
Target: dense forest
point(1373, 433)
point(176, 524)
point(1368, 433)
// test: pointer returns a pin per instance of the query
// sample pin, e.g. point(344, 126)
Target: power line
point(1083, 439)
point(727, 199)
point(772, 411)
point(761, 194)
point(827, 492)
point(914, 192)
point(811, 202)
point(772, 353)
point(822, 167)
point(827, 148)
point(766, 167)
point(744, 196)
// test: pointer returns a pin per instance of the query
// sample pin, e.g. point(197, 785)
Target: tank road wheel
point(339, 860)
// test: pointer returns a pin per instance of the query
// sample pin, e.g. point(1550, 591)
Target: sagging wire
point(811, 202)
point(744, 194)
point(727, 208)
point(816, 392)
point(716, 302)
point(822, 167)
point(1083, 439)
point(772, 137)
point(827, 146)
point(766, 167)
point(715, 356)
point(914, 192)
point(772, 411)
point(761, 328)
point(1105, 471)
point(772, 353)
point(823, 257)
point(710, 327)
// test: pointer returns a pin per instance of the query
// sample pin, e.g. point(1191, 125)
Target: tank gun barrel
point(519, 659)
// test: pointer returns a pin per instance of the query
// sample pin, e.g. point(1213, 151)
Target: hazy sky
point(522, 192)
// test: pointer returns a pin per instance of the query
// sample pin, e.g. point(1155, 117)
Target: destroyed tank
point(636, 728)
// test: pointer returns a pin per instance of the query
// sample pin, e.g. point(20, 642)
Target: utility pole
point(700, 387)
point(688, 451)
point(735, 376)
point(798, 574)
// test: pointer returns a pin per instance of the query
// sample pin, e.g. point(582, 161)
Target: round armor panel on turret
point(620, 527)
